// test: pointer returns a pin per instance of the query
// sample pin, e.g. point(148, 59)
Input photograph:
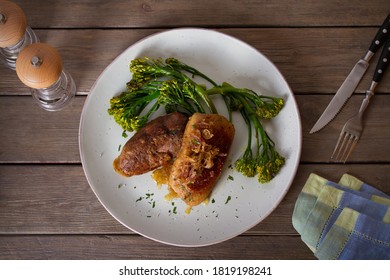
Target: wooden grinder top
point(12, 24)
point(39, 65)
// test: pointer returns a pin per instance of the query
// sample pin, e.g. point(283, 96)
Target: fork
point(353, 128)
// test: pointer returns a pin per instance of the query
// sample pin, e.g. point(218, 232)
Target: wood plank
point(313, 60)
point(22, 142)
point(147, 14)
point(50, 199)
point(132, 247)
point(30, 133)
point(56, 199)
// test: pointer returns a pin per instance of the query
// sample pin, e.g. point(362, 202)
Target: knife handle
point(383, 62)
point(381, 36)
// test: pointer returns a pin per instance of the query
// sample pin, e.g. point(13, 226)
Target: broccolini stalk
point(145, 69)
point(247, 164)
point(175, 63)
point(149, 83)
point(268, 161)
point(126, 108)
point(266, 107)
point(179, 95)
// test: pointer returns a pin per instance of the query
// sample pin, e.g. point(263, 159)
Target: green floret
point(269, 107)
point(127, 107)
point(246, 165)
point(269, 166)
point(145, 69)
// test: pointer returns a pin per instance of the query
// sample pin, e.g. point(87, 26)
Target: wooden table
point(47, 208)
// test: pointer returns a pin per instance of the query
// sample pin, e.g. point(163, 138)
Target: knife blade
point(351, 82)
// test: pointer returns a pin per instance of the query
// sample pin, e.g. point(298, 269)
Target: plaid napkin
point(345, 220)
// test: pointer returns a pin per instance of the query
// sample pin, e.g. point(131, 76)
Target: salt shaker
point(39, 66)
point(14, 33)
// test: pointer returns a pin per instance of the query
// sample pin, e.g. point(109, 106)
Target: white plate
point(237, 203)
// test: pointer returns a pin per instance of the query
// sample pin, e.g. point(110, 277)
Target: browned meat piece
point(154, 145)
point(199, 163)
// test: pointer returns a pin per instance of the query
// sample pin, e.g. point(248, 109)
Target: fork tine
point(343, 147)
point(337, 145)
point(349, 141)
point(344, 138)
point(350, 133)
point(353, 144)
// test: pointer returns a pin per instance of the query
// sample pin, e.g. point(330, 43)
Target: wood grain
point(47, 208)
point(60, 221)
point(56, 199)
point(204, 13)
point(312, 60)
point(31, 134)
point(53, 137)
point(132, 247)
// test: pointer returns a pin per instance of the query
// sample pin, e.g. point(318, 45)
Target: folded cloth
point(321, 203)
point(356, 236)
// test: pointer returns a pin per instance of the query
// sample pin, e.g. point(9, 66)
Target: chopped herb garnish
point(174, 210)
point(139, 199)
point(213, 200)
point(230, 177)
point(119, 147)
point(228, 199)
point(124, 134)
point(148, 195)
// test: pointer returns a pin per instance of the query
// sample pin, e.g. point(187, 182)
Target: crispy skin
point(153, 146)
point(199, 163)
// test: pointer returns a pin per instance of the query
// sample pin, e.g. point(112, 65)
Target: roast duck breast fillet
point(154, 145)
point(201, 158)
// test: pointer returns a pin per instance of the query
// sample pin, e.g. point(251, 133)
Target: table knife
point(349, 85)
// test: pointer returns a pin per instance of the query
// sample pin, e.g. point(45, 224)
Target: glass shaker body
point(8, 55)
point(15, 34)
point(56, 96)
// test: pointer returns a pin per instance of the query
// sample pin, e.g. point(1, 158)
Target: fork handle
point(366, 100)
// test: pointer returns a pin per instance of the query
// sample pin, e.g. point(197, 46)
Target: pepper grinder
point(39, 66)
point(14, 33)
